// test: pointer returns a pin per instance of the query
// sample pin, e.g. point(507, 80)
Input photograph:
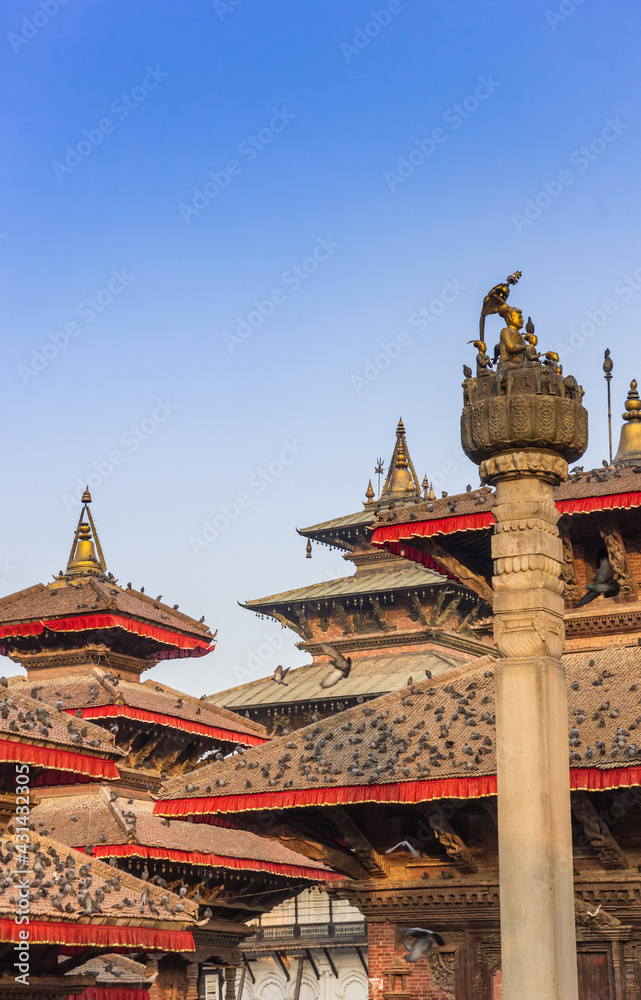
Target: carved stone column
point(522, 441)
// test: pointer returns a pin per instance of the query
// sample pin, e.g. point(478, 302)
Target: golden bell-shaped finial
point(86, 496)
point(425, 486)
point(630, 442)
point(369, 493)
point(431, 495)
point(84, 557)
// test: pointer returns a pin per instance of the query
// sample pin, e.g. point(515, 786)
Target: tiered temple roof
point(388, 617)
point(434, 740)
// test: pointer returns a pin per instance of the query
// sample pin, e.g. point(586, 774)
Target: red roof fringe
point(95, 935)
point(476, 522)
point(591, 779)
point(57, 760)
point(215, 860)
point(110, 993)
point(129, 712)
point(83, 623)
point(424, 558)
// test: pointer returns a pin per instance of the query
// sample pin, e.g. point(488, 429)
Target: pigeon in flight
point(280, 674)
point(422, 943)
point(341, 664)
point(406, 844)
point(604, 582)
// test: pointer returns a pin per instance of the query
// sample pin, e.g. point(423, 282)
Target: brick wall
point(381, 951)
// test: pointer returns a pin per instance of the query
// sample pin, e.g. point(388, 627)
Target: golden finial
point(425, 486)
point(308, 549)
point(369, 493)
point(86, 556)
point(630, 443)
point(633, 403)
point(402, 480)
point(431, 495)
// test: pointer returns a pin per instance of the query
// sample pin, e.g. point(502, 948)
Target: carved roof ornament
point(629, 451)
point(401, 481)
point(84, 560)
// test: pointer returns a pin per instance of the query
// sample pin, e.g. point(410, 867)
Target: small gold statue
point(483, 363)
point(495, 299)
point(512, 345)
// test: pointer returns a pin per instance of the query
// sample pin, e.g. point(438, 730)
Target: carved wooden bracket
point(618, 557)
point(573, 589)
point(342, 617)
point(597, 832)
point(468, 576)
point(360, 845)
point(445, 834)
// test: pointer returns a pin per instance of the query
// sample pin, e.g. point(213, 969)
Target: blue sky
point(221, 224)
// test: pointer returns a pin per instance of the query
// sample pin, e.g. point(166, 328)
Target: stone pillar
point(522, 440)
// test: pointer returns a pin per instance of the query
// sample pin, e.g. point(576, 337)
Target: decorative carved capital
point(510, 464)
point(525, 409)
point(527, 633)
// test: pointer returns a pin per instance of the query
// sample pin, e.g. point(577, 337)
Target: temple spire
point(401, 481)
point(85, 558)
point(629, 451)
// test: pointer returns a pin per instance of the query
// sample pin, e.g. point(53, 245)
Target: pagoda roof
point(582, 493)
point(97, 605)
point(125, 972)
point(101, 695)
point(123, 828)
point(402, 577)
point(400, 741)
point(369, 676)
point(109, 917)
point(33, 732)
point(335, 531)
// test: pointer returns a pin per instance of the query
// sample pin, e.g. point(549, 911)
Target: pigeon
point(467, 371)
point(406, 844)
point(280, 674)
point(423, 940)
point(604, 582)
point(341, 664)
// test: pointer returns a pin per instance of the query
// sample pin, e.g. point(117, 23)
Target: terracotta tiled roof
point(124, 972)
point(36, 720)
point(400, 577)
point(478, 501)
point(98, 689)
point(52, 601)
point(116, 894)
point(100, 817)
point(369, 676)
point(440, 729)
point(580, 485)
